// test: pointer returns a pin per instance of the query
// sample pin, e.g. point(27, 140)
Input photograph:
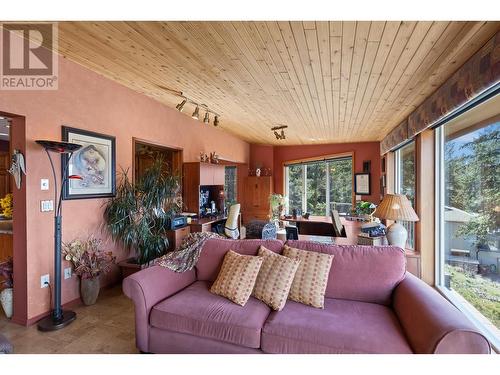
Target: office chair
point(292, 233)
point(230, 228)
point(338, 228)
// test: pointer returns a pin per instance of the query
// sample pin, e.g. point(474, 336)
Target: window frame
point(304, 162)
point(475, 316)
point(397, 184)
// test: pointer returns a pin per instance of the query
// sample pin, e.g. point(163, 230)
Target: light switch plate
point(67, 273)
point(46, 206)
point(44, 184)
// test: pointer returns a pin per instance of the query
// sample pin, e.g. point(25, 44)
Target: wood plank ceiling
point(328, 81)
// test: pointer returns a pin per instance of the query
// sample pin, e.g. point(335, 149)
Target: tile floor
point(106, 327)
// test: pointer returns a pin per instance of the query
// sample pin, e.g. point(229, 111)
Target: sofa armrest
point(148, 287)
point(431, 323)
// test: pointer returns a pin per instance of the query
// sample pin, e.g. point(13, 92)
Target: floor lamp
point(58, 318)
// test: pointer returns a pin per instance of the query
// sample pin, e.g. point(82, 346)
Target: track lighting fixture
point(180, 106)
point(279, 135)
point(206, 120)
point(216, 121)
point(196, 113)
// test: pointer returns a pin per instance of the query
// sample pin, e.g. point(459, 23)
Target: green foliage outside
point(340, 175)
point(480, 292)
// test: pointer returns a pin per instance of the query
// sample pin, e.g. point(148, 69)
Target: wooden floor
point(106, 327)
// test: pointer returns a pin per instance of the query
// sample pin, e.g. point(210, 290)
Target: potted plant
point(277, 206)
point(365, 209)
point(6, 295)
point(138, 217)
point(6, 206)
point(89, 262)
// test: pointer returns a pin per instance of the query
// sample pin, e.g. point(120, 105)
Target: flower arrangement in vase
point(89, 262)
point(6, 295)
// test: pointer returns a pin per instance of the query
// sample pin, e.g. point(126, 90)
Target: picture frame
point(362, 184)
point(95, 162)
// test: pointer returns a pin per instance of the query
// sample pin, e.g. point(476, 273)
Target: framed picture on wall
point(95, 163)
point(362, 184)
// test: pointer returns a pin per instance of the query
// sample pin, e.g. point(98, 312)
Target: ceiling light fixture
point(279, 135)
point(180, 106)
point(206, 120)
point(196, 113)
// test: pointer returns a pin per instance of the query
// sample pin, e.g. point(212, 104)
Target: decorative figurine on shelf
point(257, 172)
point(214, 158)
point(204, 158)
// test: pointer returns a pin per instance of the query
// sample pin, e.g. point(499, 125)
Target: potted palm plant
point(140, 214)
point(6, 295)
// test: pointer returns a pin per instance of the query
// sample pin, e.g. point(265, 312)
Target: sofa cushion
point(341, 327)
point(311, 278)
point(198, 312)
point(361, 273)
point(237, 277)
point(275, 278)
point(213, 251)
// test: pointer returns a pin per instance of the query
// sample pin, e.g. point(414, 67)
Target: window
point(468, 220)
point(317, 187)
point(230, 185)
point(405, 183)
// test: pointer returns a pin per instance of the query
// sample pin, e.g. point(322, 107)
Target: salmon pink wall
point(281, 154)
point(89, 101)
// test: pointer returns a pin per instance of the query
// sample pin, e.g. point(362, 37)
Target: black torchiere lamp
point(59, 318)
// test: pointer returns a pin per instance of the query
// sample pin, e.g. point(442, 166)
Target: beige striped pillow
point(311, 278)
point(275, 278)
point(237, 277)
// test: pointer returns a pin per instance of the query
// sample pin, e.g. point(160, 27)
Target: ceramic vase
point(6, 296)
point(89, 290)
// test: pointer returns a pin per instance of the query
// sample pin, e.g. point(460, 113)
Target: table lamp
point(59, 318)
point(398, 208)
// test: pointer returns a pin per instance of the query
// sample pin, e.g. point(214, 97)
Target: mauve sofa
point(372, 305)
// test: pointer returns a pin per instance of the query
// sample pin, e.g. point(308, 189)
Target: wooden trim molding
point(424, 228)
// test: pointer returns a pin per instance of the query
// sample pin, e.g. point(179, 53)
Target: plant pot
point(89, 290)
point(6, 298)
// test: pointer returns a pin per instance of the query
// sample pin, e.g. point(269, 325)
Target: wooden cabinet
point(200, 174)
point(256, 198)
point(4, 175)
point(176, 236)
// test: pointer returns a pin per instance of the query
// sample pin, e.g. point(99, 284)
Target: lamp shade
point(395, 207)
point(59, 147)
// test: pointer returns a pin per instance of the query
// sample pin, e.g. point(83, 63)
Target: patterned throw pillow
point(309, 283)
point(237, 277)
point(275, 278)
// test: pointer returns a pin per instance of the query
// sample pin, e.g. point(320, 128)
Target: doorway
point(13, 137)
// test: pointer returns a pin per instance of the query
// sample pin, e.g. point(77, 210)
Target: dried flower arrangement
point(88, 258)
point(6, 206)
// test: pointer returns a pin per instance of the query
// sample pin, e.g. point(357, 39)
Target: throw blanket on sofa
point(186, 257)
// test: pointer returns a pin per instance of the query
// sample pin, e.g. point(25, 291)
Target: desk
point(205, 224)
point(322, 226)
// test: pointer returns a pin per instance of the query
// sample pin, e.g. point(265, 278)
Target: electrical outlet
point(46, 206)
point(67, 273)
point(44, 281)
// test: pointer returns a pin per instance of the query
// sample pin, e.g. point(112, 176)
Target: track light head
point(216, 121)
point(180, 106)
point(276, 134)
point(196, 113)
point(206, 120)
point(282, 134)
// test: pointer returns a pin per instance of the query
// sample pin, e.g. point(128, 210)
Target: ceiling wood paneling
point(339, 81)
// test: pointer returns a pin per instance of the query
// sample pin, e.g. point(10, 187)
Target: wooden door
point(4, 175)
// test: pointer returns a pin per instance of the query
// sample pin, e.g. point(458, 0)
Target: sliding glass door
point(317, 187)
